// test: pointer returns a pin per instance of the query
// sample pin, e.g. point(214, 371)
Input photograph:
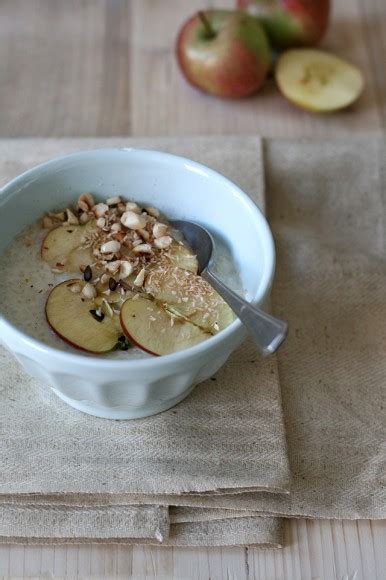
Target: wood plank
point(17, 561)
point(64, 67)
point(373, 17)
point(46, 560)
point(152, 562)
point(378, 532)
point(326, 550)
point(188, 562)
point(340, 556)
point(60, 559)
point(97, 559)
point(352, 545)
point(367, 550)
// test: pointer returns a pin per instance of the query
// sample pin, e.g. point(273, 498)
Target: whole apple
point(291, 23)
point(224, 53)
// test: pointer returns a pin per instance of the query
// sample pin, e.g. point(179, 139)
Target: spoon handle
point(267, 332)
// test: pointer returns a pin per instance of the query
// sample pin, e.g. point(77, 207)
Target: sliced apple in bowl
point(190, 296)
point(182, 256)
point(62, 248)
point(152, 328)
point(79, 321)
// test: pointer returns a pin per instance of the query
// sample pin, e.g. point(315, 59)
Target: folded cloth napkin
point(228, 435)
point(327, 207)
point(263, 532)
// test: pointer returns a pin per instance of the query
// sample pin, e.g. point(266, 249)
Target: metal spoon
point(267, 332)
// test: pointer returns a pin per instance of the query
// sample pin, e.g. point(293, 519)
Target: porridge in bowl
point(109, 278)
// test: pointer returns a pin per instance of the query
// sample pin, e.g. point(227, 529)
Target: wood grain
point(373, 15)
point(107, 68)
point(64, 67)
point(324, 550)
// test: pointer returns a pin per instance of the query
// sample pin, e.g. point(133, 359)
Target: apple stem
point(207, 25)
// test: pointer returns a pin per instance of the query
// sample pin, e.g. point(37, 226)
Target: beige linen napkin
point(228, 435)
point(263, 532)
point(327, 207)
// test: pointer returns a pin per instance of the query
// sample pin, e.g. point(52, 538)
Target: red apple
point(224, 53)
point(291, 23)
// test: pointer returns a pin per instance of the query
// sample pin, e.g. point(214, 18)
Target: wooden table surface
point(106, 68)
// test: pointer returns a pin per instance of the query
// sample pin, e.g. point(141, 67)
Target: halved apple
point(190, 296)
point(74, 319)
point(318, 81)
point(61, 248)
point(148, 325)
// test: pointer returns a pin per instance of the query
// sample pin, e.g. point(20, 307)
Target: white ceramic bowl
point(118, 389)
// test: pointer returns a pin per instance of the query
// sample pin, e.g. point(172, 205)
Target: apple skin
point(59, 334)
point(291, 23)
point(131, 339)
point(234, 63)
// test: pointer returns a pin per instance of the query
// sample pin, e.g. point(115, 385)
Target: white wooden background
point(105, 68)
point(328, 550)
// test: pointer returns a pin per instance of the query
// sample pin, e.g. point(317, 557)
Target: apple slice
point(178, 255)
point(149, 326)
point(190, 296)
point(61, 248)
point(318, 81)
point(75, 320)
point(182, 256)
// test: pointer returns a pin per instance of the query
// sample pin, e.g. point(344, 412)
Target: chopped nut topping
point(133, 221)
point(113, 246)
point(82, 205)
point(89, 291)
point(87, 199)
point(131, 248)
point(113, 267)
point(144, 234)
point(113, 200)
point(163, 242)
point(84, 218)
point(132, 206)
point(159, 230)
point(71, 218)
point(106, 308)
point(100, 209)
point(140, 278)
point(153, 211)
point(125, 269)
point(116, 227)
point(142, 249)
